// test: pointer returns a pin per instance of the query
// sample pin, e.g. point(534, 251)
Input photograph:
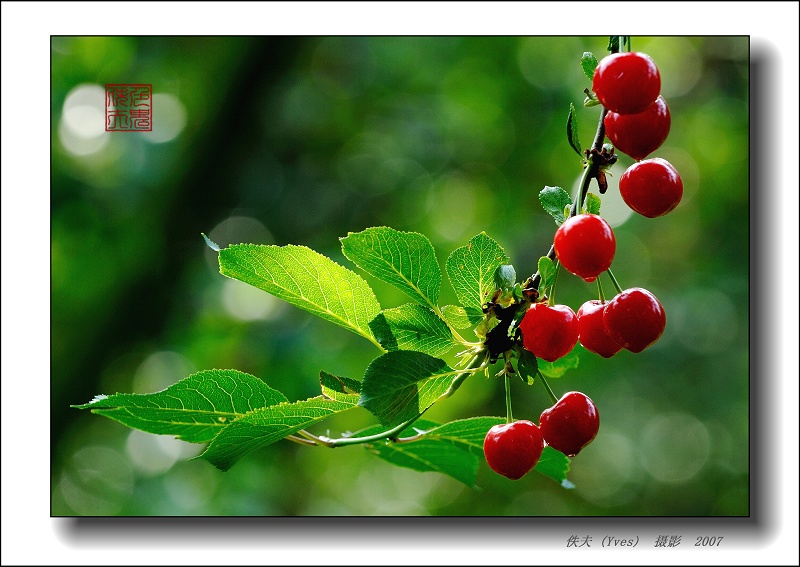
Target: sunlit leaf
point(412, 327)
point(266, 426)
point(404, 259)
point(194, 409)
point(471, 270)
point(307, 280)
point(547, 271)
point(554, 200)
point(555, 465)
point(559, 367)
point(588, 64)
point(454, 449)
point(399, 385)
point(461, 318)
point(338, 387)
point(592, 204)
point(572, 130)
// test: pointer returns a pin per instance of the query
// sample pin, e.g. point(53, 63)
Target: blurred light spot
point(344, 63)
point(306, 110)
point(84, 111)
point(159, 370)
point(632, 257)
point(705, 320)
point(541, 61)
point(154, 454)
point(722, 450)
point(674, 447)
point(240, 230)
point(478, 135)
point(541, 502)
point(387, 490)
point(61, 45)
point(445, 492)
point(612, 207)
point(236, 230)
point(723, 122)
point(249, 303)
point(169, 119)
point(192, 490)
point(326, 507)
point(678, 62)
point(368, 163)
point(452, 206)
point(605, 467)
point(103, 56)
point(97, 481)
point(733, 48)
point(81, 129)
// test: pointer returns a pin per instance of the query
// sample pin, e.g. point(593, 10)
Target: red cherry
point(571, 424)
point(634, 319)
point(585, 245)
point(626, 83)
point(651, 187)
point(591, 331)
point(513, 449)
point(549, 332)
point(639, 135)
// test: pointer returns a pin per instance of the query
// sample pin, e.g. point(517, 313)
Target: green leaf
point(572, 130)
point(427, 454)
point(505, 276)
point(590, 101)
point(554, 464)
point(486, 326)
point(461, 318)
point(554, 200)
point(455, 449)
point(592, 204)
point(527, 366)
point(400, 385)
point(412, 327)
point(404, 259)
point(307, 280)
point(547, 271)
point(558, 368)
point(267, 425)
point(194, 409)
point(467, 434)
point(588, 64)
point(471, 270)
point(210, 243)
point(615, 40)
point(338, 387)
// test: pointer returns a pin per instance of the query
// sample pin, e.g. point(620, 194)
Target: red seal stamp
point(129, 108)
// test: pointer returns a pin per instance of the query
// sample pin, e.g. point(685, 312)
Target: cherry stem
point(551, 298)
point(590, 172)
point(390, 434)
point(301, 440)
point(614, 280)
point(600, 291)
point(547, 387)
point(509, 416)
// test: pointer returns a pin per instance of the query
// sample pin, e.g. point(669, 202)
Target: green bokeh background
point(302, 139)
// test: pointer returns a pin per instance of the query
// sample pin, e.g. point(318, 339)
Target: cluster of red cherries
point(628, 85)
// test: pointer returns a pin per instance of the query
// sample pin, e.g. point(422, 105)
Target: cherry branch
point(476, 364)
point(596, 157)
